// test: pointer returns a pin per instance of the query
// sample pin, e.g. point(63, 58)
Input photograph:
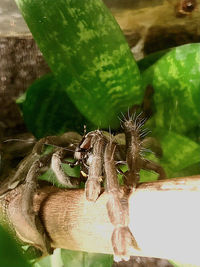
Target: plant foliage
point(94, 78)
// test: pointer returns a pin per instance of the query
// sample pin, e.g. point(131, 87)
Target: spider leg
point(133, 148)
point(67, 140)
point(121, 162)
point(56, 166)
point(24, 166)
point(150, 165)
point(120, 153)
point(29, 170)
point(32, 218)
point(117, 206)
point(95, 172)
point(154, 145)
point(119, 171)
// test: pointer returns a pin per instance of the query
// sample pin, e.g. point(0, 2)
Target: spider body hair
point(89, 154)
point(134, 135)
point(134, 149)
point(84, 151)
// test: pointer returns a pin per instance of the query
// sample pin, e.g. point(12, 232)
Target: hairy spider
point(28, 171)
point(99, 154)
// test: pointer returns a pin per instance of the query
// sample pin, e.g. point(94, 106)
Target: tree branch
point(164, 219)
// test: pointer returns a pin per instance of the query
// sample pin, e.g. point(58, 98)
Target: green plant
point(94, 78)
point(96, 67)
point(10, 254)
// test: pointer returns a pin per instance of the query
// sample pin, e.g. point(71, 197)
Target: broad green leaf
point(175, 78)
point(88, 54)
point(84, 259)
point(181, 156)
point(190, 170)
point(179, 153)
point(44, 262)
point(194, 133)
point(149, 60)
point(47, 109)
point(148, 176)
point(10, 255)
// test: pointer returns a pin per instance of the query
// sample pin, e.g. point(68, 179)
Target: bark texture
point(21, 63)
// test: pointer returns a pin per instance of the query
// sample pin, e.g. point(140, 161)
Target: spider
point(99, 155)
point(28, 171)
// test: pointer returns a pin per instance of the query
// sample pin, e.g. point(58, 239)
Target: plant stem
point(164, 218)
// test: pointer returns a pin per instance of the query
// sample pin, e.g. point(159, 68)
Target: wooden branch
point(164, 219)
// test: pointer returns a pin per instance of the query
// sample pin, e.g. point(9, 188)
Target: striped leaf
point(176, 82)
point(149, 60)
point(179, 152)
point(48, 110)
point(88, 54)
point(181, 155)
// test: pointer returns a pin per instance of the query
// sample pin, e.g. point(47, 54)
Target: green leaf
point(51, 177)
point(149, 60)
point(179, 153)
point(194, 133)
point(188, 171)
point(44, 262)
point(48, 110)
point(10, 255)
point(53, 260)
point(180, 156)
point(88, 54)
point(84, 259)
point(175, 78)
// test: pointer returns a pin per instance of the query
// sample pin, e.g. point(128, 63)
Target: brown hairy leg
point(134, 148)
point(95, 173)
point(31, 218)
point(117, 206)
